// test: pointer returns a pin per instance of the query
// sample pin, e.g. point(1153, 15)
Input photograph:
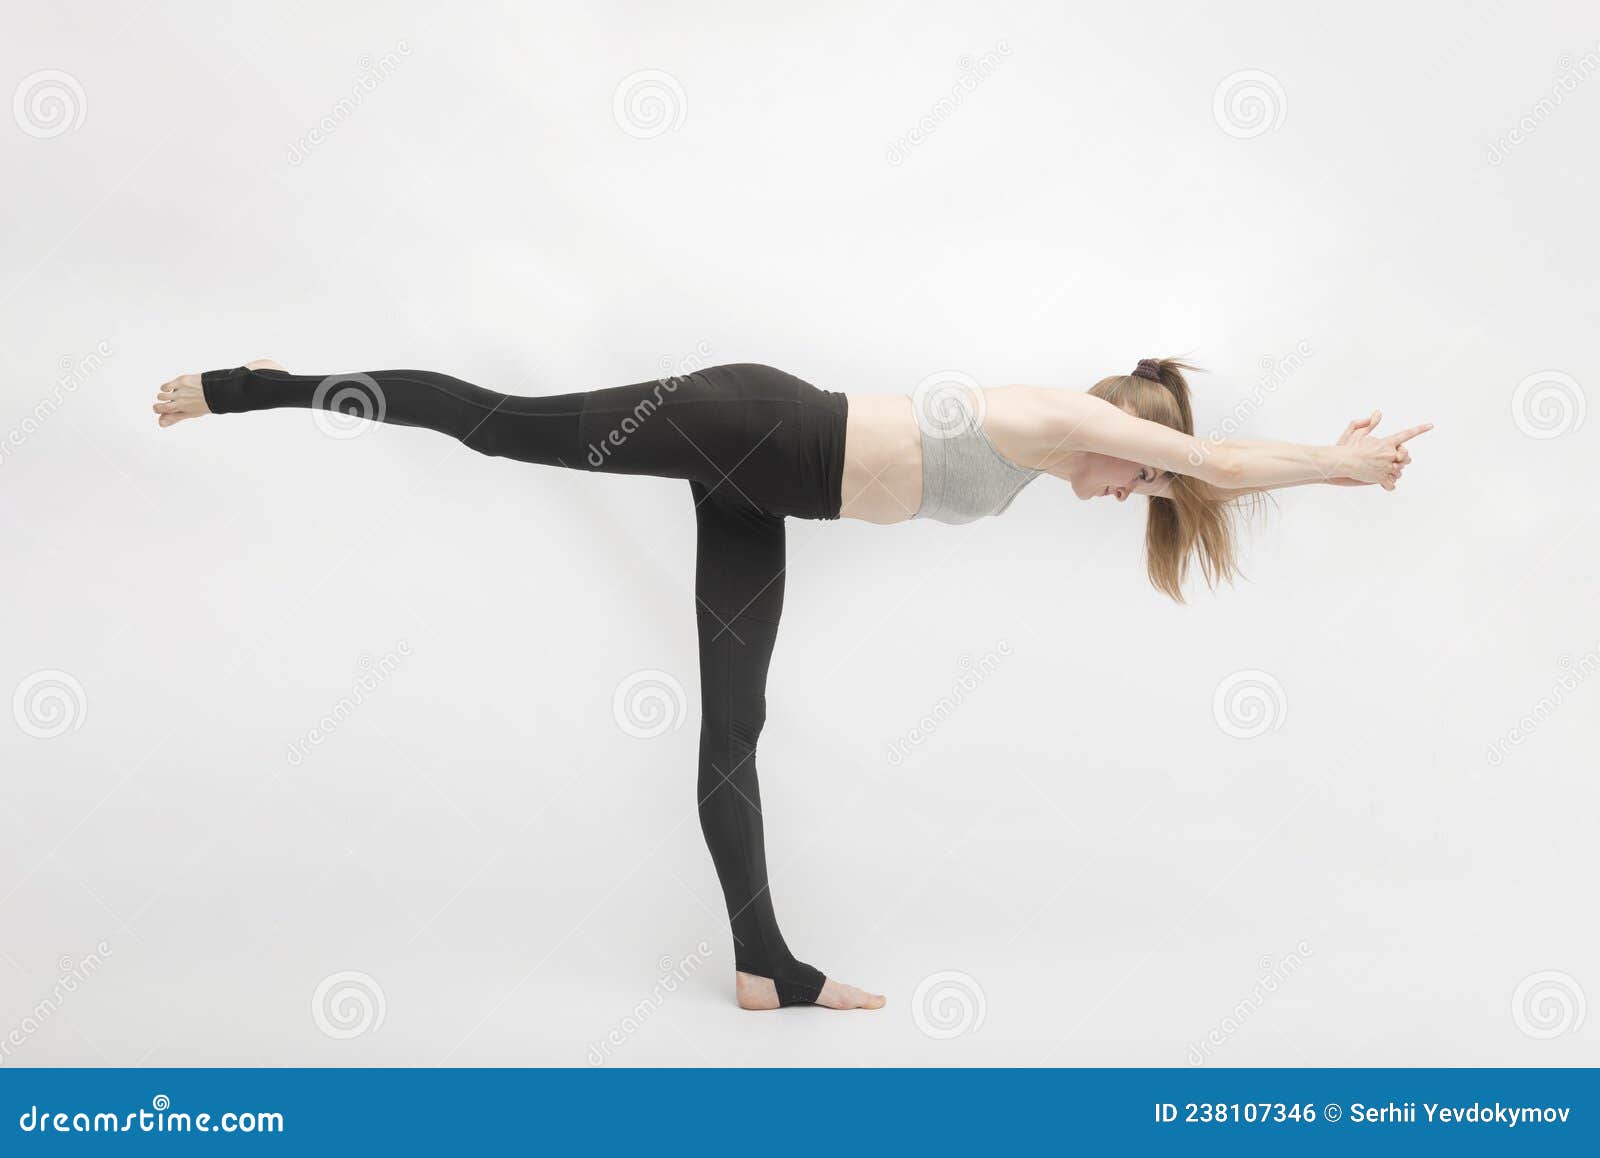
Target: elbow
point(1222, 466)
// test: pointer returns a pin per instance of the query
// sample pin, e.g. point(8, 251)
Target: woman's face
point(1102, 476)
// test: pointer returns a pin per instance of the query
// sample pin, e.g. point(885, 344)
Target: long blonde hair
point(1194, 518)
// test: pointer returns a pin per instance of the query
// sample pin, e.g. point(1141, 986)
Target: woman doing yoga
point(758, 445)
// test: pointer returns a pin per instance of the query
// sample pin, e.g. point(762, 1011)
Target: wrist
point(1334, 462)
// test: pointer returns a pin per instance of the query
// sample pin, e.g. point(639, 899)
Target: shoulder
point(1045, 410)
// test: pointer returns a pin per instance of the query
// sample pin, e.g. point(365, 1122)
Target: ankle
point(755, 992)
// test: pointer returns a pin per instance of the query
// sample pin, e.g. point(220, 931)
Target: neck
point(1062, 464)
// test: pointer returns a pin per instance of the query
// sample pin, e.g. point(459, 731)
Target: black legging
point(755, 444)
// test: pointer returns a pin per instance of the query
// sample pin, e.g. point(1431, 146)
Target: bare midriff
point(882, 460)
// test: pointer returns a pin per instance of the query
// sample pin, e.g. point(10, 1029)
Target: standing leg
point(738, 601)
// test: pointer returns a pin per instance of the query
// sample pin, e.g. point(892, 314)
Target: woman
point(757, 445)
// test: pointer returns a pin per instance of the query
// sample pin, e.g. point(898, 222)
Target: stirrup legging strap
point(756, 445)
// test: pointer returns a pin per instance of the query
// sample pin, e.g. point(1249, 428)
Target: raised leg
point(742, 428)
point(545, 429)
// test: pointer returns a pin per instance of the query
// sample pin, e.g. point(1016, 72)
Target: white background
point(1082, 838)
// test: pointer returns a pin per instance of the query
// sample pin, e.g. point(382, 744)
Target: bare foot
point(760, 993)
point(184, 398)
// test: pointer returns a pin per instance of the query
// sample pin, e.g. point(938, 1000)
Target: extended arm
point(1352, 432)
point(1093, 424)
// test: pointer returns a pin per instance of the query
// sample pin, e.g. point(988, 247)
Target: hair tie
point(1148, 368)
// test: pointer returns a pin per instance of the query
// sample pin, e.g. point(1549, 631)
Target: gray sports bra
point(964, 475)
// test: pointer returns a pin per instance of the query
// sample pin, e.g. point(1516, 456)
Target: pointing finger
point(1408, 434)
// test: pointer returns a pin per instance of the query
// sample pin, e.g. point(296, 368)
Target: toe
point(837, 995)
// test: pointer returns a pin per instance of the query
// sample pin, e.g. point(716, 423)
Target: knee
point(737, 726)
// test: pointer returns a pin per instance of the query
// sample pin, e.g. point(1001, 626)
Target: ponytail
point(1193, 519)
